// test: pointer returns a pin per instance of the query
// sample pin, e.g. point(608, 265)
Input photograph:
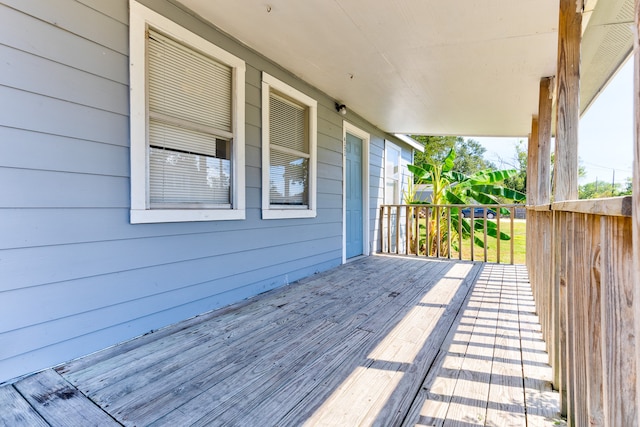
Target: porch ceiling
point(408, 66)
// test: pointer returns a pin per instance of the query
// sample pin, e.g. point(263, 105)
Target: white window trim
point(279, 212)
point(141, 18)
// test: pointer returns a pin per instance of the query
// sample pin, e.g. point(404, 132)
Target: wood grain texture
point(581, 248)
point(593, 330)
point(16, 411)
point(545, 117)
point(619, 353)
point(568, 286)
point(611, 206)
point(533, 164)
point(384, 340)
point(568, 102)
point(636, 191)
point(561, 307)
point(61, 404)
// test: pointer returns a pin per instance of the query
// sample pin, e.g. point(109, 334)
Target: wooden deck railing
point(580, 262)
point(436, 231)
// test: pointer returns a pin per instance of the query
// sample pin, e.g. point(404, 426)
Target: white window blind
point(190, 125)
point(289, 152)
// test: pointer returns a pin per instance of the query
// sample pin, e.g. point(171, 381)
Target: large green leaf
point(458, 177)
point(482, 198)
point(478, 241)
point(489, 177)
point(453, 199)
point(448, 162)
point(417, 171)
point(497, 190)
point(492, 229)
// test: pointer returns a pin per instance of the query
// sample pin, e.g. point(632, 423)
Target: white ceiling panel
point(408, 66)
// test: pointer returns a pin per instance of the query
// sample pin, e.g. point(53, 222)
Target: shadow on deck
point(383, 340)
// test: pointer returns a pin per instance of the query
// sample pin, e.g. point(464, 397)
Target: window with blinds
point(187, 124)
point(289, 145)
point(190, 126)
point(289, 151)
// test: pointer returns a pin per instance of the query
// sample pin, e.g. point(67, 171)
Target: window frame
point(141, 18)
point(269, 211)
point(390, 146)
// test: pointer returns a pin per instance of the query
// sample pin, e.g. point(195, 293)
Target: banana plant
point(454, 188)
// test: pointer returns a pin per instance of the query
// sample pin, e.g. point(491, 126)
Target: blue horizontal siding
point(26, 149)
point(31, 34)
point(30, 111)
point(76, 275)
point(22, 70)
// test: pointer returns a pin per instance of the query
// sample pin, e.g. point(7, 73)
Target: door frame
point(366, 138)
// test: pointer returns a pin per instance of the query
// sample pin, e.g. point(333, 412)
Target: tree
point(600, 189)
point(518, 182)
point(469, 153)
point(451, 187)
point(519, 162)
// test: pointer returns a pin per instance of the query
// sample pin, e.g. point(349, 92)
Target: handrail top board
point(610, 206)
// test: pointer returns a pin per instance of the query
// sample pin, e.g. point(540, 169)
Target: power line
point(607, 167)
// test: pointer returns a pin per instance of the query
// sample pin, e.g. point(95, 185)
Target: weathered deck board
point(469, 365)
point(59, 403)
point(15, 411)
point(195, 394)
point(543, 406)
point(382, 341)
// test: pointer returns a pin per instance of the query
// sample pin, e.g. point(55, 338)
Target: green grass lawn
point(519, 244)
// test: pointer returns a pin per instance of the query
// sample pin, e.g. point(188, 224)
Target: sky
point(605, 142)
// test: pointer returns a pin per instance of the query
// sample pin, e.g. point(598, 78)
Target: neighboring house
point(125, 208)
point(424, 192)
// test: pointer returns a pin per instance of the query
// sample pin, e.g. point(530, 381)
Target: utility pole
point(613, 182)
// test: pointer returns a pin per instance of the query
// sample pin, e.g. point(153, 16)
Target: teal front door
point(353, 189)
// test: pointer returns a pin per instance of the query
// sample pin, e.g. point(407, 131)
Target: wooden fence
point(437, 231)
point(580, 262)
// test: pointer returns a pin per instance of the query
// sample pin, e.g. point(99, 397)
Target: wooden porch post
point(568, 91)
point(636, 195)
point(533, 171)
point(565, 186)
point(545, 109)
point(532, 184)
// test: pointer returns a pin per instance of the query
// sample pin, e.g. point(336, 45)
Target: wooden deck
point(388, 341)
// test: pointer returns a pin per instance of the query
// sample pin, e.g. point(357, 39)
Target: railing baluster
point(382, 229)
point(427, 232)
point(388, 229)
point(438, 239)
point(473, 234)
point(397, 229)
point(448, 231)
point(416, 213)
point(498, 217)
point(512, 215)
point(460, 233)
point(402, 236)
point(406, 228)
point(484, 210)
